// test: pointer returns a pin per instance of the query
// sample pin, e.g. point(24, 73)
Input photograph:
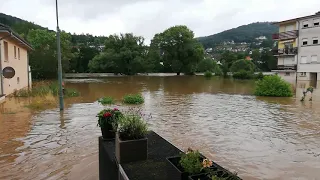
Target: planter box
point(131, 150)
point(200, 177)
point(107, 134)
point(175, 171)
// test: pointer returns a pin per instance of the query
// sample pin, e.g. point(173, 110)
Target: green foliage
point(208, 74)
point(133, 99)
point(132, 127)
point(191, 162)
point(242, 65)
point(245, 33)
point(124, 54)
point(109, 118)
point(207, 64)
point(264, 61)
point(273, 86)
point(43, 60)
point(106, 100)
point(242, 74)
point(258, 76)
point(83, 54)
point(178, 49)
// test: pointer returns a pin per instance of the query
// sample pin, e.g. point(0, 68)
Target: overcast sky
point(147, 17)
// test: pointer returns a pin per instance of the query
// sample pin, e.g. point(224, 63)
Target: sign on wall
point(8, 72)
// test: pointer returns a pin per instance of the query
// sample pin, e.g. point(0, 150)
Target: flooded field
point(260, 138)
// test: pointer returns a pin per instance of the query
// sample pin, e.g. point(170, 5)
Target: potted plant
point(131, 140)
point(190, 163)
point(108, 122)
point(215, 173)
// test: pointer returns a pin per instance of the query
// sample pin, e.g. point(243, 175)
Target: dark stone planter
point(131, 150)
point(107, 133)
point(175, 171)
point(200, 177)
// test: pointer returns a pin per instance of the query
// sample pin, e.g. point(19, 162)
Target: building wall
point(291, 78)
point(284, 28)
point(287, 60)
point(20, 66)
point(310, 49)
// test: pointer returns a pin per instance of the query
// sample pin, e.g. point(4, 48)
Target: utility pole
point(59, 61)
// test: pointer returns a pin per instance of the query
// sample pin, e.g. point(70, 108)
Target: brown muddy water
point(260, 138)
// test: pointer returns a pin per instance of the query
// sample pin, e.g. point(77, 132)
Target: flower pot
point(131, 150)
point(107, 133)
point(175, 170)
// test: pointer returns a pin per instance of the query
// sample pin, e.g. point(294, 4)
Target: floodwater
point(260, 138)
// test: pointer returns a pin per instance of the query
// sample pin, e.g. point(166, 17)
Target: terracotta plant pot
point(131, 150)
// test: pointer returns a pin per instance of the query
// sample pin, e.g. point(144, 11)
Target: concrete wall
point(291, 78)
point(287, 60)
point(20, 66)
point(310, 49)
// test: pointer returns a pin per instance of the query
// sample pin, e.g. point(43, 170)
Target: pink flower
point(116, 109)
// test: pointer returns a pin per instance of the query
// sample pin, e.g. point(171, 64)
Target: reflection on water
point(261, 138)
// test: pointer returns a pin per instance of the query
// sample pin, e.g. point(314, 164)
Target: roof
point(4, 28)
point(299, 18)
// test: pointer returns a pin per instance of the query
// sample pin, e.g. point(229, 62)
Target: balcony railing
point(287, 67)
point(286, 35)
point(285, 52)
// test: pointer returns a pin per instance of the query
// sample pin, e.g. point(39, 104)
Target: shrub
point(242, 75)
point(242, 64)
point(132, 127)
point(191, 162)
point(109, 118)
point(208, 74)
point(106, 100)
point(133, 99)
point(273, 86)
point(44, 102)
point(258, 76)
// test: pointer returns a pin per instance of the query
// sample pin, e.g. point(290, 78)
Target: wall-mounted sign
point(8, 72)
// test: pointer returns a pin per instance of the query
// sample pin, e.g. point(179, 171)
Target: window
point(305, 41)
point(303, 60)
point(305, 24)
point(18, 80)
point(6, 56)
point(314, 58)
point(303, 74)
point(315, 40)
point(19, 53)
point(15, 52)
point(316, 22)
point(287, 74)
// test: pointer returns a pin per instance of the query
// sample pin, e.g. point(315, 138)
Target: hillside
point(245, 33)
point(23, 27)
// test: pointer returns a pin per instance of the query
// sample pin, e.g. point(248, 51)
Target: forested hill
point(245, 33)
point(23, 27)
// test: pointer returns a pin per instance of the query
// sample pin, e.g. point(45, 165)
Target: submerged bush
point(258, 76)
point(133, 99)
point(106, 100)
point(208, 74)
point(273, 86)
point(243, 75)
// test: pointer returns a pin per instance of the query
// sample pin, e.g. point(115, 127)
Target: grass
point(43, 89)
point(106, 100)
point(44, 102)
point(133, 99)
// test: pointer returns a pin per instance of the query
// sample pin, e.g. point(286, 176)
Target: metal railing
point(286, 35)
point(285, 51)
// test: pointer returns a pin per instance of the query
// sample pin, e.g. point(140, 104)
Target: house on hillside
point(13, 53)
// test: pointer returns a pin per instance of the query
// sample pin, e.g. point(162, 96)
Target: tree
point(122, 54)
point(242, 65)
point(80, 63)
point(228, 58)
point(210, 65)
point(178, 49)
point(269, 62)
point(43, 60)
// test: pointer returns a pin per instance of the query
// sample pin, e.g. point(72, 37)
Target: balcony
point(285, 52)
point(287, 67)
point(286, 35)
